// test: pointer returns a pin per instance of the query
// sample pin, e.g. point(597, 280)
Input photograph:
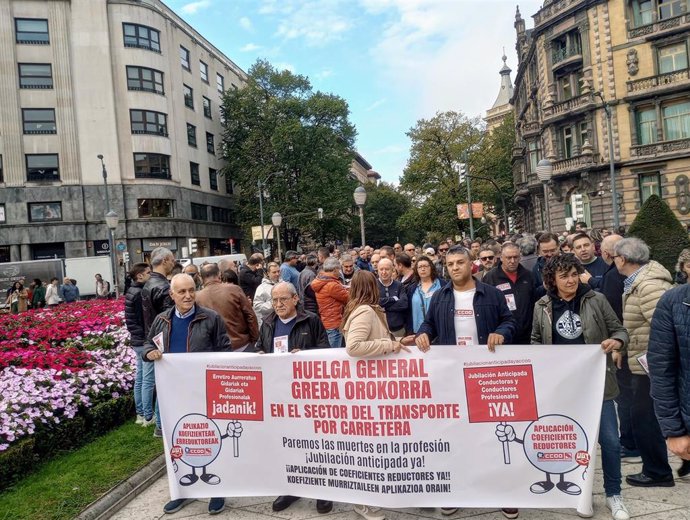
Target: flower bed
point(58, 363)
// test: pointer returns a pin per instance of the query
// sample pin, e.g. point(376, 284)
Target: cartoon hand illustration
point(174, 465)
point(505, 432)
point(235, 431)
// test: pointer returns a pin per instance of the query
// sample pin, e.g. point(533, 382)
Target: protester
point(307, 275)
point(683, 267)
point(595, 267)
point(516, 283)
point(410, 250)
point(440, 263)
point(363, 260)
point(375, 263)
point(187, 327)
point(669, 359)
point(193, 271)
point(393, 298)
point(645, 282)
point(387, 252)
point(347, 269)
point(251, 275)
point(571, 313)
point(288, 270)
point(528, 252)
point(403, 267)
point(262, 298)
point(419, 293)
point(331, 298)
point(144, 380)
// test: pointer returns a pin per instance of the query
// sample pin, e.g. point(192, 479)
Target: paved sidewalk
point(650, 504)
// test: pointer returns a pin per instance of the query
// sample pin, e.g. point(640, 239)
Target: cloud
point(326, 73)
point(316, 22)
point(250, 47)
point(375, 104)
point(246, 24)
point(194, 7)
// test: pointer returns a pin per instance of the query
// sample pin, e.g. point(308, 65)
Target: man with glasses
point(487, 257)
point(517, 285)
point(441, 262)
point(290, 328)
point(410, 250)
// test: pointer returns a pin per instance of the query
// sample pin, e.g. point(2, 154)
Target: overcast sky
point(394, 61)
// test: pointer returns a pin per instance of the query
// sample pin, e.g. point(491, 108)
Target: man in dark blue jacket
point(668, 358)
point(595, 267)
point(466, 312)
point(393, 298)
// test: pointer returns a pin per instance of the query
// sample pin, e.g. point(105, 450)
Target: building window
point(223, 215)
point(229, 188)
point(184, 58)
point(32, 30)
point(534, 154)
point(45, 211)
point(213, 179)
point(676, 118)
point(646, 125)
point(671, 8)
point(567, 142)
point(569, 85)
point(155, 208)
point(220, 83)
point(194, 172)
point(2, 179)
point(142, 78)
point(42, 167)
point(583, 128)
point(203, 71)
point(191, 135)
point(199, 211)
point(151, 166)
point(210, 145)
point(672, 58)
point(141, 36)
point(643, 12)
point(188, 96)
point(3, 220)
point(149, 122)
point(566, 46)
point(39, 120)
point(207, 107)
point(650, 184)
point(35, 75)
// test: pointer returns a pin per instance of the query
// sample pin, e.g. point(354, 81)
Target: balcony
point(566, 108)
point(652, 84)
point(656, 149)
point(531, 127)
point(659, 27)
point(572, 164)
point(566, 56)
point(554, 9)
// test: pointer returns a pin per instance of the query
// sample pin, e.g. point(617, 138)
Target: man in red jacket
point(331, 297)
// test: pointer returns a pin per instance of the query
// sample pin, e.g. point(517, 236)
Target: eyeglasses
point(443, 250)
point(485, 258)
point(284, 299)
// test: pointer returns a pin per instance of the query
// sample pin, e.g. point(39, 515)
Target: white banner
point(453, 427)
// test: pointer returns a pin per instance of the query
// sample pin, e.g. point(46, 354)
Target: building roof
point(506, 91)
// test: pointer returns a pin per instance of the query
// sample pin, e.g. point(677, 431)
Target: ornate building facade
point(580, 55)
point(501, 107)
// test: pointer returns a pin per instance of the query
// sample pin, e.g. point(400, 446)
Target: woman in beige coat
point(366, 333)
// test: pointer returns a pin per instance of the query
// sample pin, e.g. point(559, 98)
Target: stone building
point(361, 171)
point(501, 107)
point(128, 80)
point(581, 54)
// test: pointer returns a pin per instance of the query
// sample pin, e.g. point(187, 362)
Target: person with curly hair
point(571, 313)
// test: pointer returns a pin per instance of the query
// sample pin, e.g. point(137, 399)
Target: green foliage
point(277, 123)
point(661, 231)
point(64, 486)
point(431, 181)
point(385, 205)
point(20, 459)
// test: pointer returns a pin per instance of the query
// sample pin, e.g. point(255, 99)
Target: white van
point(239, 258)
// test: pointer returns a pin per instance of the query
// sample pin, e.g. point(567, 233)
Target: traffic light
point(462, 171)
point(125, 257)
point(320, 213)
point(578, 206)
point(192, 246)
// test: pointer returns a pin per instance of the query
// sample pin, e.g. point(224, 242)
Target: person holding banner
point(366, 334)
point(187, 327)
point(572, 313)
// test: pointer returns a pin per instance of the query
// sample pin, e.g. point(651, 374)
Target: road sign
point(121, 246)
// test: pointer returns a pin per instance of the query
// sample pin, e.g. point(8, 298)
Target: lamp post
point(262, 185)
point(612, 168)
point(544, 172)
point(111, 220)
point(361, 199)
point(277, 220)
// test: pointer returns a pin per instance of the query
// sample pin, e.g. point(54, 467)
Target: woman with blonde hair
point(366, 333)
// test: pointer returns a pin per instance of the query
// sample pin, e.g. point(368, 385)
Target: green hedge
point(21, 458)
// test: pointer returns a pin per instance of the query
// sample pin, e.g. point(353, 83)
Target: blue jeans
point(137, 382)
point(148, 384)
point(335, 337)
point(624, 402)
point(610, 449)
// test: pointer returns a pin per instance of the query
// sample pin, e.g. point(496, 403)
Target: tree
point(430, 179)
point(278, 130)
point(385, 205)
point(661, 231)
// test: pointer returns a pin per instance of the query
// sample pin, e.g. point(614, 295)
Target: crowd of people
point(582, 288)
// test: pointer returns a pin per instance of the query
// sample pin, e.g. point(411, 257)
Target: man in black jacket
point(155, 295)
point(595, 267)
point(393, 298)
point(134, 319)
point(187, 327)
point(517, 285)
point(251, 274)
point(291, 329)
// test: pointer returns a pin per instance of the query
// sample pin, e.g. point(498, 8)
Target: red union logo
point(582, 458)
point(176, 452)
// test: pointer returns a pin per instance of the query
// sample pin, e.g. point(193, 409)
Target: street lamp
point(361, 199)
point(277, 220)
point(544, 172)
point(612, 168)
point(262, 185)
point(111, 220)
